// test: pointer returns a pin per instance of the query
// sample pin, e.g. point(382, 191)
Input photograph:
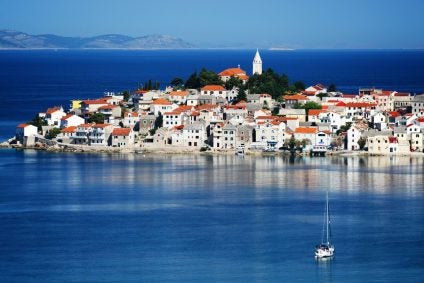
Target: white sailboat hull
point(324, 251)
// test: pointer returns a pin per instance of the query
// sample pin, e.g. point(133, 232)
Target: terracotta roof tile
point(161, 101)
point(121, 132)
point(213, 88)
point(305, 130)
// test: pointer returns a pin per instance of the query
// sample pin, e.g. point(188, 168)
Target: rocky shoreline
point(137, 149)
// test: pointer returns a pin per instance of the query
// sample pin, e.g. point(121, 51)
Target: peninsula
point(232, 112)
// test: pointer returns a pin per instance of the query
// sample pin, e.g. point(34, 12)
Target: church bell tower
point(257, 64)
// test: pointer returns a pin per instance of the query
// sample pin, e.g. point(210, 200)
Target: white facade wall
point(353, 135)
point(268, 132)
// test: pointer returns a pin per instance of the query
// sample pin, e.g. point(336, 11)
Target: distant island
point(10, 39)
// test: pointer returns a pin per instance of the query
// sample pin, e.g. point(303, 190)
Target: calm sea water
point(32, 81)
point(120, 218)
point(135, 218)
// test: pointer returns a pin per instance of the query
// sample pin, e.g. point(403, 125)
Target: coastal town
point(218, 118)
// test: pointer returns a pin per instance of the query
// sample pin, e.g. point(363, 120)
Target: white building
point(100, 134)
point(273, 132)
point(122, 137)
point(26, 133)
point(257, 64)
point(161, 105)
point(352, 137)
point(387, 145)
point(71, 120)
point(194, 135)
point(53, 116)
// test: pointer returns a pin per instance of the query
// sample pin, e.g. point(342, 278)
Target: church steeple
point(257, 63)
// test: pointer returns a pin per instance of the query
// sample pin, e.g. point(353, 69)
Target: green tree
point(299, 85)
point(177, 83)
point(207, 77)
point(268, 82)
point(241, 94)
point(362, 142)
point(193, 81)
point(308, 105)
point(344, 128)
point(332, 88)
point(126, 95)
point(38, 122)
point(52, 133)
point(321, 95)
point(158, 121)
point(98, 118)
point(234, 82)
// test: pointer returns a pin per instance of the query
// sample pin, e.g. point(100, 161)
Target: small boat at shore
point(240, 150)
point(326, 248)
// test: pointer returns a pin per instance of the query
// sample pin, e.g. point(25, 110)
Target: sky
point(298, 24)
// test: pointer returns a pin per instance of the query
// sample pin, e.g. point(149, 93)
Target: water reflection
point(179, 173)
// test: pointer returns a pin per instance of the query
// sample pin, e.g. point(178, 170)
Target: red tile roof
point(295, 97)
point(179, 93)
point(71, 129)
point(52, 110)
point(360, 104)
point(161, 101)
point(97, 101)
point(305, 130)
point(232, 72)
point(121, 131)
point(315, 112)
point(66, 117)
point(213, 88)
point(23, 125)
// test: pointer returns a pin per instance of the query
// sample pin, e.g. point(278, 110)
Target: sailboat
point(326, 248)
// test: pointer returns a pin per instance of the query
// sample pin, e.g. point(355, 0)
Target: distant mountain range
point(10, 39)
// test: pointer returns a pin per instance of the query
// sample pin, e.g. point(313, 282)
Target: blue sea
point(32, 81)
point(68, 217)
point(132, 218)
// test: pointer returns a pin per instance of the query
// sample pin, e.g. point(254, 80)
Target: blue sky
point(226, 23)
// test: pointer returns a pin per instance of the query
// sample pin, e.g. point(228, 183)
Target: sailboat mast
point(328, 219)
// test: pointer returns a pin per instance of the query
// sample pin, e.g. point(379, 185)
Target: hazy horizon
point(302, 24)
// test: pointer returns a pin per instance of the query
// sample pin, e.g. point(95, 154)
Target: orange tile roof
point(206, 107)
point(52, 110)
point(232, 72)
point(121, 131)
point(96, 101)
point(131, 114)
point(305, 130)
point(183, 108)
point(315, 112)
point(66, 116)
point(394, 113)
point(23, 125)
point(107, 107)
point(70, 129)
point(213, 88)
point(295, 97)
point(179, 93)
point(161, 101)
